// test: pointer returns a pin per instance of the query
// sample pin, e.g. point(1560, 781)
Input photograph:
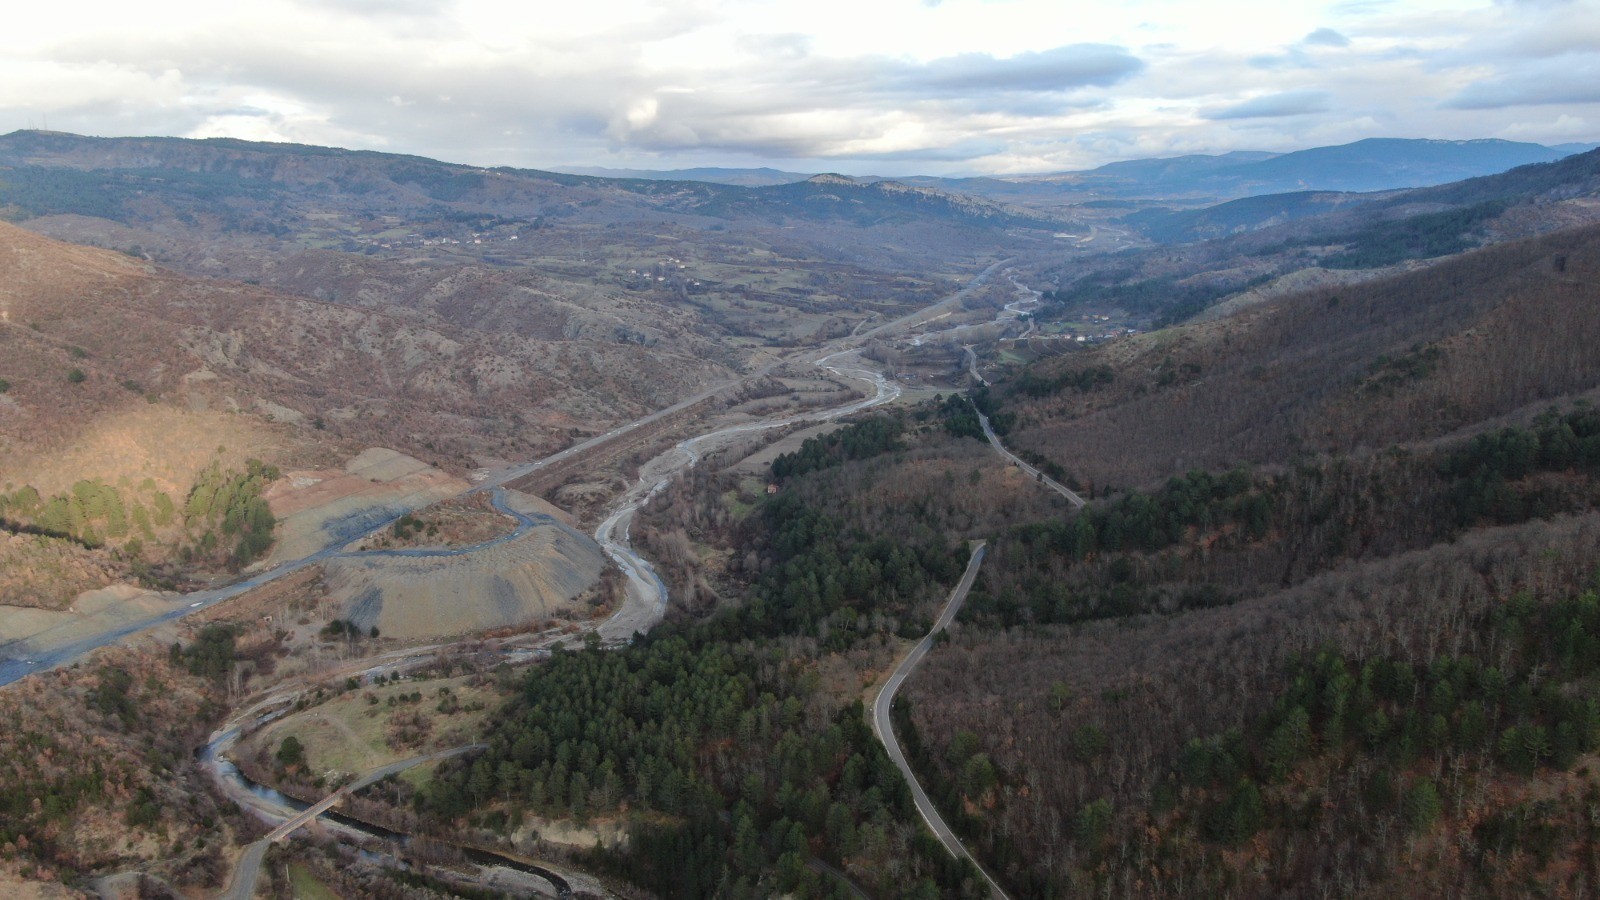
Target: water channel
point(275, 805)
point(647, 593)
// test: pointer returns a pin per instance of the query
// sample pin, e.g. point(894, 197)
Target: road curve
point(247, 872)
point(1046, 480)
point(972, 364)
point(884, 728)
point(19, 658)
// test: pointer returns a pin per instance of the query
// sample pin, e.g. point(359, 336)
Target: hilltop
point(1268, 246)
point(151, 335)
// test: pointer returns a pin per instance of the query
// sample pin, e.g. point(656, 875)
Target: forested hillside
point(1344, 370)
point(734, 744)
point(1328, 623)
point(737, 748)
point(1206, 751)
point(1324, 629)
point(1351, 674)
point(98, 767)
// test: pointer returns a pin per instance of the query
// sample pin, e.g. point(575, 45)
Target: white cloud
point(961, 85)
point(1274, 106)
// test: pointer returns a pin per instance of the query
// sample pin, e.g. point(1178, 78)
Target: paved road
point(884, 728)
point(248, 871)
point(972, 364)
point(245, 875)
point(18, 659)
point(1046, 480)
point(376, 775)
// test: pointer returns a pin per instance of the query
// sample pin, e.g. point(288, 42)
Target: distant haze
point(938, 87)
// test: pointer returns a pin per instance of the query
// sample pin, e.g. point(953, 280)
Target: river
point(275, 806)
point(646, 601)
point(645, 605)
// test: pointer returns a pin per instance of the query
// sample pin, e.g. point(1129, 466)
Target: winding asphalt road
point(884, 728)
point(13, 668)
point(247, 872)
point(972, 364)
point(1046, 480)
point(21, 658)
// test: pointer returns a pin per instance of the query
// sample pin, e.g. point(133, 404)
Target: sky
point(937, 87)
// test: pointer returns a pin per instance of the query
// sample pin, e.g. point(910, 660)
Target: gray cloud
point(1325, 37)
point(1550, 82)
point(872, 107)
point(1060, 69)
point(1274, 106)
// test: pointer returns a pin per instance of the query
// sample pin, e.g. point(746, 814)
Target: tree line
point(860, 440)
point(732, 768)
point(734, 762)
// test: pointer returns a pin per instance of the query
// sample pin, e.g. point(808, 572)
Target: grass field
point(351, 733)
point(303, 885)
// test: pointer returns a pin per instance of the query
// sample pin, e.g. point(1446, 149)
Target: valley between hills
point(562, 532)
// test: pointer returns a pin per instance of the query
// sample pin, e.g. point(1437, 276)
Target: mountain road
point(884, 728)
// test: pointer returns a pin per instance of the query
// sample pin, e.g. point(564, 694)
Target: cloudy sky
point(855, 86)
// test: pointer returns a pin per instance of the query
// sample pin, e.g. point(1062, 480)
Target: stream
point(645, 605)
point(276, 806)
point(647, 593)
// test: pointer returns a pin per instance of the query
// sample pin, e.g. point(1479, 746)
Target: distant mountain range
point(279, 188)
point(1244, 251)
point(762, 177)
point(1568, 176)
point(1375, 164)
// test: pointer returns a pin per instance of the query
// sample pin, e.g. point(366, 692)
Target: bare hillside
point(355, 376)
point(416, 594)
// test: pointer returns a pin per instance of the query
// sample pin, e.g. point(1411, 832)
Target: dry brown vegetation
point(68, 308)
point(459, 522)
point(1337, 370)
point(44, 572)
point(1148, 686)
point(99, 772)
point(347, 376)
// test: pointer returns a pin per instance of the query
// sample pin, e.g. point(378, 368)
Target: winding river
point(275, 806)
point(647, 593)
